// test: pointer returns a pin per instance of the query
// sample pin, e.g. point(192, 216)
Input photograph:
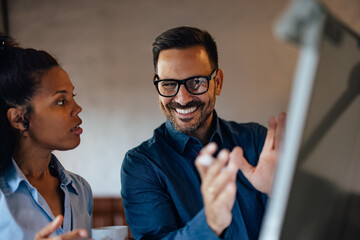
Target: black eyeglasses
point(195, 85)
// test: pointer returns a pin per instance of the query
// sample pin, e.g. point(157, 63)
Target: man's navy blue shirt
point(161, 185)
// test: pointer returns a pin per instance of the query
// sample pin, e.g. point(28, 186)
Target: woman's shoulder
point(78, 181)
point(67, 176)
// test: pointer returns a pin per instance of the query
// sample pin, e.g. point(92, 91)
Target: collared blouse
point(23, 211)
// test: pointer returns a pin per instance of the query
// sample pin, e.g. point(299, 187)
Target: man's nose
point(183, 96)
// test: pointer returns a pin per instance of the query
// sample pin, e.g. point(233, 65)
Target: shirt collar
point(13, 177)
point(182, 139)
point(217, 131)
point(64, 176)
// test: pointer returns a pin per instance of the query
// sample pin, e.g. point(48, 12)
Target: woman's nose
point(77, 109)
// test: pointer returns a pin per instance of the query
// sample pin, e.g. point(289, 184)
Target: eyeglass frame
point(183, 82)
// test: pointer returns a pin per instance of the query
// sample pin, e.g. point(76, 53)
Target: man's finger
point(227, 196)
point(245, 167)
point(50, 228)
point(269, 140)
point(280, 129)
point(209, 149)
point(205, 159)
point(213, 171)
point(236, 156)
point(219, 182)
point(202, 163)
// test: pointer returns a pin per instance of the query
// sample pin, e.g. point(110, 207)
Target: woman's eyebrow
point(62, 91)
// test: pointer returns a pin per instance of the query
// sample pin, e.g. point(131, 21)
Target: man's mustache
point(188, 105)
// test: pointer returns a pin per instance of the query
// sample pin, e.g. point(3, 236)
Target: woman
point(38, 114)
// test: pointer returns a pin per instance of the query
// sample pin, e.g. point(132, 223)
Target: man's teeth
point(75, 128)
point(186, 111)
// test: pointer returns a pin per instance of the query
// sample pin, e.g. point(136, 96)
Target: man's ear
point(219, 78)
point(16, 118)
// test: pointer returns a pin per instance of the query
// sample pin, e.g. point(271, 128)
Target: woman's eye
point(61, 102)
point(74, 94)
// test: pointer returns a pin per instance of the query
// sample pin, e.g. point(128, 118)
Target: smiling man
point(171, 193)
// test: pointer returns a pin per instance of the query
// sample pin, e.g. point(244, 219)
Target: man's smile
point(186, 110)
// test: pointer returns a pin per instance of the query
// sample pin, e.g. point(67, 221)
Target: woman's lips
point(77, 130)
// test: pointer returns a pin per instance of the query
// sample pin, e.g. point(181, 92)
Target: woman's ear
point(16, 118)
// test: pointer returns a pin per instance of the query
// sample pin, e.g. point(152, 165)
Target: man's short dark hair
point(185, 37)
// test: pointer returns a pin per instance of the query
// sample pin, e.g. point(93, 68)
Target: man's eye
point(198, 81)
point(169, 84)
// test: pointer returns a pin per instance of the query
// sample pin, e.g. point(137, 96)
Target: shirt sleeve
point(149, 210)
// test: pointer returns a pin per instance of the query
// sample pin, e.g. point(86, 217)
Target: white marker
point(205, 160)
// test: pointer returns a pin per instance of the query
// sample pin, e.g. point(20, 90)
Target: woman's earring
point(26, 127)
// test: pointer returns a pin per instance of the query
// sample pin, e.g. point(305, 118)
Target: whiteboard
point(316, 192)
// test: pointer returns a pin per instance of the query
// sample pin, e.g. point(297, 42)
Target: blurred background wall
point(105, 46)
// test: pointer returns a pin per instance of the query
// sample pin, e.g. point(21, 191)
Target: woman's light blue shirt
point(23, 211)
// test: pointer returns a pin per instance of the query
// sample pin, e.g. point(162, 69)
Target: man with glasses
point(167, 194)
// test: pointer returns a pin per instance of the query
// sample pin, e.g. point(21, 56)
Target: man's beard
point(169, 108)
